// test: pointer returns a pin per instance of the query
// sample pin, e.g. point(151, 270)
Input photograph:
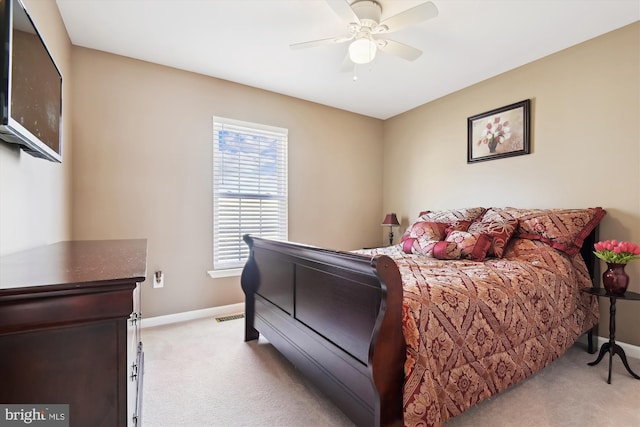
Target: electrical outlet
point(158, 279)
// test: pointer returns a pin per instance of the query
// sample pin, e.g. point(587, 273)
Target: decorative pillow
point(422, 247)
point(458, 226)
point(428, 229)
point(472, 246)
point(421, 236)
point(446, 250)
point(499, 226)
point(453, 215)
point(562, 229)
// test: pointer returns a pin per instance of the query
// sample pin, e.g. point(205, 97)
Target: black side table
point(611, 347)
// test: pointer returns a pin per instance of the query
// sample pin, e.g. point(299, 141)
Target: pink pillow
point(562, 229)
point(419, 246)
point(446, 250)
point(428, 229)
point(459, 226)
point(421, 236)
point(472, 246)
point(499, 226)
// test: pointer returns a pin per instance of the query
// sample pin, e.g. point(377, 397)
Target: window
point(249, 188)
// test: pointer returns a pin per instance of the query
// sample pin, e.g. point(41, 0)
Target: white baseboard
point(629, 349)
point(224, 310)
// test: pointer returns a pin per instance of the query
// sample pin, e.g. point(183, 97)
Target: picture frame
point(496, 134)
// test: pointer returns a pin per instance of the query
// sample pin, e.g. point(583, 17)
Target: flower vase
point(492, 145)
point(615, 280)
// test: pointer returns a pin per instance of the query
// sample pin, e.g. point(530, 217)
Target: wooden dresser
point(69, 329)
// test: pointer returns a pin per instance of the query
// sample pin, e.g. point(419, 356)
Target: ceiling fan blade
point(322, 42)
point(343, 10)
point(409, 17)
point(398, 49)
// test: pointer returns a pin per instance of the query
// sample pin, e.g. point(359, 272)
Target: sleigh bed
point(469, 303)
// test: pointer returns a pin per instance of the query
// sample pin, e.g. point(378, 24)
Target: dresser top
point(71, 263)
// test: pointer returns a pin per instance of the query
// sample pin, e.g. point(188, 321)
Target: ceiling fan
point(367, 34)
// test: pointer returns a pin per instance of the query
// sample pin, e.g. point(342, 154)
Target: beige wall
point(35, 197)
point(141, 161)
point(143, 169)
point(585, 147)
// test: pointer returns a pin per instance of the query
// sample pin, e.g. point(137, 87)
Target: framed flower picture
point(499, 133)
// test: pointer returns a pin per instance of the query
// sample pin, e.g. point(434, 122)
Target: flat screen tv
point(30, 86)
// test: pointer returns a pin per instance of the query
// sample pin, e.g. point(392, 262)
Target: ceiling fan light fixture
point(362, 51)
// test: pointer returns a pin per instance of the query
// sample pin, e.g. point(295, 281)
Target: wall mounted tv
point(30, 86)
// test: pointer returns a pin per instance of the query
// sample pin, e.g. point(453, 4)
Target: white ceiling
point(247, 41)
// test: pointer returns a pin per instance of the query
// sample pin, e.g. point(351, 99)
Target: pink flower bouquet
point(612, 251)
point(495, 132)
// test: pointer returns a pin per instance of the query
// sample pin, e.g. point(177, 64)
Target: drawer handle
point(134, 372)
point(135, 317)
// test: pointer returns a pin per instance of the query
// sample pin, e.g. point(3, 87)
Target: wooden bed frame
point(337, 317)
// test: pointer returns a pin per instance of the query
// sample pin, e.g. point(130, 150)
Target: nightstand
point(611, 347)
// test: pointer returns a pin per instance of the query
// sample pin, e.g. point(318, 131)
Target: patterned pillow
point(472, 246)
point(453, 215)
point(446, 250)
point(421, 236)
point(563, 229)
point(422, 247)
point(499, 226)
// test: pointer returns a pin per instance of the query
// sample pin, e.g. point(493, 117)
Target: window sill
point(232, 272)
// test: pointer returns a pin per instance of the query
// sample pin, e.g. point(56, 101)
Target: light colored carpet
point(200, 373)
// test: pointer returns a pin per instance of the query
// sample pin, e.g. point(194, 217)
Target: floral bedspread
point(475, 328)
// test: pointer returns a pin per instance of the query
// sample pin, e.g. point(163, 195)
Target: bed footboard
point(337, 317)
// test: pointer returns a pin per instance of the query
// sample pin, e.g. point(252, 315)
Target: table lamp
point(391, 220)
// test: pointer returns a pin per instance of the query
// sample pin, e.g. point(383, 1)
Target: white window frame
point(264, 196)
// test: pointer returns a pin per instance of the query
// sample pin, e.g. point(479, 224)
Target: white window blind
point(249, 188)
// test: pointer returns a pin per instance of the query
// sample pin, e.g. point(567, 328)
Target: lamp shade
point(391, 220)
point(362, 51)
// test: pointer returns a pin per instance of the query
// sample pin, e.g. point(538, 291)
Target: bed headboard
point(589, 257)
